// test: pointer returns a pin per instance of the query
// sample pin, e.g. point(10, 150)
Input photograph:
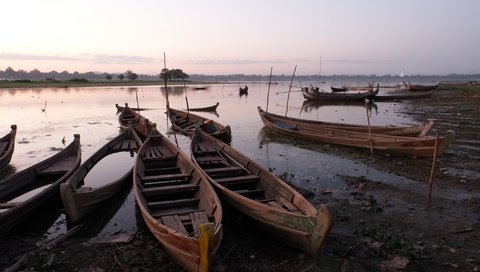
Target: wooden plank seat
point(160, 164)
point(248, 179)
point(179, 176)
point(287, 204)
point(162, 170)
point(164, 183)
point(178, 211)
point(174, 222)
point(174, 203)
point(152, 191)
point(198, 218)
point(250, 192)
point(208, 158)
point(224, 170)
point(58, 169)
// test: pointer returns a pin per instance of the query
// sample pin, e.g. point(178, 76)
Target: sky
point(430, 37)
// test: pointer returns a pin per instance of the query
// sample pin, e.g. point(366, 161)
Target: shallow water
point(46, 116)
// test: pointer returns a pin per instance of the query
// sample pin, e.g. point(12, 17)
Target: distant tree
point(121, 76)
point(108, 76)
point(165, 74)
point(131, 75)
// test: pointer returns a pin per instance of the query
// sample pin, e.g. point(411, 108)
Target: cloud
point(95, 58)
point(235, 62)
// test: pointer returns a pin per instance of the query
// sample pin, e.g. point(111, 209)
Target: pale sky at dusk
point(229, 37)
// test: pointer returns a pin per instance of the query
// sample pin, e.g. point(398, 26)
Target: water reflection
point(310, 105)
point(112, 167)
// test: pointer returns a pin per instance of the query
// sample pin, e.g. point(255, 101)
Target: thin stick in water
point(269, 83)
point(430, 182)
point(289, 88)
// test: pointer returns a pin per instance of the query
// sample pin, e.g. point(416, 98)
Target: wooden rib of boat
point(177, 202)
point(338, 96)
point(209, 108)
point(185, 122)
point(312, 125)
point(120, 108)
point(23, 192)
point(257, 193)
point(80, 199)
point(7, 145)
point(141, 124)
point(397, 145)
point(402, 95)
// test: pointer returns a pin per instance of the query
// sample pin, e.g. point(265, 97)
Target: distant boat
point(337, 96)
point(243, 91)
point(208, 108)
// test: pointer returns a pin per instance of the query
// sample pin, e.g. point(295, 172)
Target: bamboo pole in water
point(430, 182)
point(369, 129)
point(269, 83)
point(289, 88)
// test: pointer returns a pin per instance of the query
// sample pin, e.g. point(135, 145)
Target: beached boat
point(185, 122)
point(141, 124)
point(208, 108)
point(257, 193)
point(401, 95)
point(397, 145)
point(338, 96)
point(7, 145)
point(23, 192)
point(312, 125)
point(120, 108)
point(79, 198)
point(177, 203)
point(419, 87)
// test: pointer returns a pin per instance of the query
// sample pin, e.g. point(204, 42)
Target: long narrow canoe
point(420, 88)
point(208, 108)
point(141, 124)
point(185, 122)
point(338, 96)
point(23, 192)
point(303, 124)
point(7, 145)
point(79, 199)
point(177, 203)
point(262, 196)
point(397, 145)
point(401, 95)
point(120, 108)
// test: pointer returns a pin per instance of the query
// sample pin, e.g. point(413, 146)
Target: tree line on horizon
point(178, 74)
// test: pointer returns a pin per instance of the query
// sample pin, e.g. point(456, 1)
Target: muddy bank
point(379, 226)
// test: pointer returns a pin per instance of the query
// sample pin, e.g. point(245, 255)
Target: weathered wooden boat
point(243, 91)
point(396, 145)
point(141, 124)
point(401, 95)
point(338, 96)
point(177, 202)
point(185, 122)
point(80, 199)
point(419, 87)
point(339, 89)
point(314, 126)
point(23, 192)
point(209, 108)
point(120, 108)
point(7, 145)
point(257, 193)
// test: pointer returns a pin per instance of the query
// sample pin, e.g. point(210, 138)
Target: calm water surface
point(91, 113)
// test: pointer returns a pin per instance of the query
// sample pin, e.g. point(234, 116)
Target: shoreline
point(68, 84)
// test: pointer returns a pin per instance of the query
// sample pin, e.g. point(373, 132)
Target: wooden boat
point(185, 122)
point(243, 91)
point(312, 125)
point(141, 124)
point(23, 192)
point(7, 145)
point(419, 87)
point(120, 108)
point(346, 96)
point(401, 95)
point(209, 108)
point(339, 89)
point(177, 203)
point(396, 145)
point(79, 199)
point(257, 193)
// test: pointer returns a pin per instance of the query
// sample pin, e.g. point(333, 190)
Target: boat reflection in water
point(310, 105)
